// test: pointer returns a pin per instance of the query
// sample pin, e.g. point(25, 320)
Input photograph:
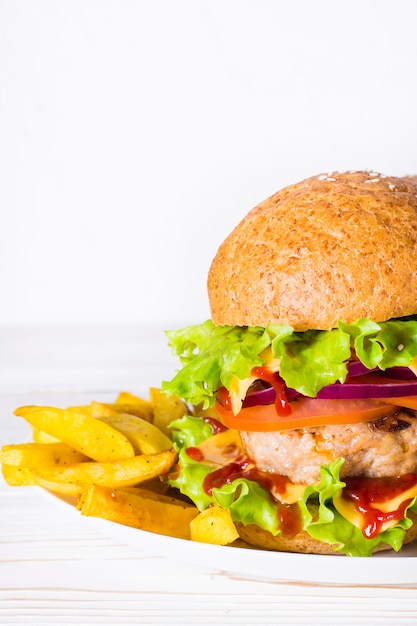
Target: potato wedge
point(154, 485)
point(39, 436)
point(166, 409)
point(16, 476)
point(123, 473)
point(40, 454)
point(214, 525)
point(101, 409)
point(144, 436)
point(90, 436)
point(81, 409)
point(152, 512)
point(95, 409)
point(66, 489)
point(130, 403)
point(125, 397)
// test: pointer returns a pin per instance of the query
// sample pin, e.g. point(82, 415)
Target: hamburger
point(301, 389)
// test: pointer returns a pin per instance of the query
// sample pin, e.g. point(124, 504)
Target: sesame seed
point(391, 186)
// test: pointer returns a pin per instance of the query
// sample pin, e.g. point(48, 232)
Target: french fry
point(41, 437)
point(142, 411)
point(125, 397)
point(154, 485)
point(156, 513)
point(83, 409)
point(90, 436)
point(101, 409)
point(123, 473)
point(129, 403)
point(16, 476)
point(99, 454)
point(166, 409)
point(66, 489)
point(213, 525)
point(94, 409)
point(144, 436)
point(140, 408)
point(40, 454)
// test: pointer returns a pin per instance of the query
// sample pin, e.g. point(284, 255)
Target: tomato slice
point(408, 402)
point(306, 412)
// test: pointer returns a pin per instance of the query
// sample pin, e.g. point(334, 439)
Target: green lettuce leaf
point(329, 526)
point(239, 496)
point(213, 355)
point(387, 344)
point(313, 359)
point(189, 431)
point(250, 503)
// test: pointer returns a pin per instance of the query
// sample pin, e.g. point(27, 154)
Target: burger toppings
point(375, 505)
point(355, 514)
point(369, 366)
point(305, 413)
point(276, 382)
point(281, 404)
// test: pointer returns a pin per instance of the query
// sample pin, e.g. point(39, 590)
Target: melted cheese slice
point(293, 492)
point(222, 448)
point(348, 511)
point(413, 365)
point(239, 387)
point(238, 392)
point(225, 447)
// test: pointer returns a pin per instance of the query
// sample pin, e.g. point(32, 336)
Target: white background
point(135, 135)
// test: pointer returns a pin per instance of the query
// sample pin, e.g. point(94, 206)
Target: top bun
point(337, 246)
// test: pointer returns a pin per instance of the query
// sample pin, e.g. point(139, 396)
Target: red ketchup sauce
point(224, 398)
point(216, 426)
point(195, 454)
point(282, 405)
point(243, 467)
point(365, 492)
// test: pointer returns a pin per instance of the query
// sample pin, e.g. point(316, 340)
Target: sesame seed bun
point(411, 179)
point(337, 246)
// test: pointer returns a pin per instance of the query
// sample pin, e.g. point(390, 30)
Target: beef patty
point(381, 448)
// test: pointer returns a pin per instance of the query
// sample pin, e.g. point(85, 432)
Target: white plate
point(380, 569)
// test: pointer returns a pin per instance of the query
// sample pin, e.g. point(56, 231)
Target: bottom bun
point(302, 542)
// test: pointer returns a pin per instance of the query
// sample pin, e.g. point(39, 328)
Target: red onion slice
point(357, 368)
point(365, 385)
point(399, 373)
point(264, 396)
point(369, 386)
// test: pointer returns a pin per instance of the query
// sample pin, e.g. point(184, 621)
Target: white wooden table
point(58, 568)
